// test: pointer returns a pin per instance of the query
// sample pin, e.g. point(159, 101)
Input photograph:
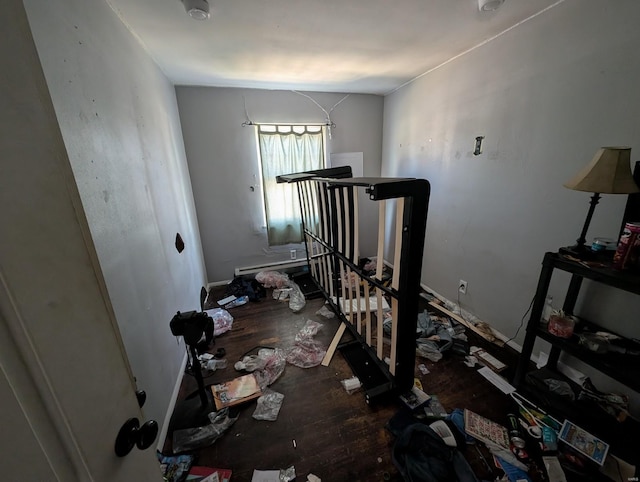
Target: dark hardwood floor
point(338, 437)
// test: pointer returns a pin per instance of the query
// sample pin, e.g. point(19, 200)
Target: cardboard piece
point(236, 391)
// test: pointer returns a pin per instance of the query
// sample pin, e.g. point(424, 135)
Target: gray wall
point(223, 162)
point(119, 121)
point(546, 95)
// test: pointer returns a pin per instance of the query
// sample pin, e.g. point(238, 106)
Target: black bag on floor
point(421, 455)
point(239, 286)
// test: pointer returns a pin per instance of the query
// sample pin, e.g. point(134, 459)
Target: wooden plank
point(379, 327)
point(324, 235)
point(466, 323)
point(356, 225)
point(340, 248)
point(304, 195)
point(334, 344)
point(356, 260)
point(382, 217)
point(347, 272)
point(358, 310)
point(367, 316)
point(395, 281)
point(394, 335)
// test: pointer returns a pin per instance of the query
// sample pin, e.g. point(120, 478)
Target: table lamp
point(609, 172)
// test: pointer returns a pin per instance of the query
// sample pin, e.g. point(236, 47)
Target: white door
point(65, 383)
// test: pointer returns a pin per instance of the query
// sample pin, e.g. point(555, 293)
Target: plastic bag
point(296, 297)
point(309, 330)
point(559, 387)
point(214, 365)
point(306, 351)
point(273, 279)
point(222, 320)
point(198, 437)
point(287, 475)
point(273, 368)
point(306, 354)
point(428, 349)
point(268, 407)
point(326, 312)
point(281, 294)
point(267, 365)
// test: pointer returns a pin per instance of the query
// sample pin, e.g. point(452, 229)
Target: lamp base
point(585, 253)
point(579, 251)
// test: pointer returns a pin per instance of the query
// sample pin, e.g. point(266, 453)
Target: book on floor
point(483, 429)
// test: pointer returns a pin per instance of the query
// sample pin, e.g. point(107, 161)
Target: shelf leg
point(532, 324)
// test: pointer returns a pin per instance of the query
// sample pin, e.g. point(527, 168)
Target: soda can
point(628, 251)
point(514, 431)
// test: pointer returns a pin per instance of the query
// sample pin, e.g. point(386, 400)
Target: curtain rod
point(251, 123)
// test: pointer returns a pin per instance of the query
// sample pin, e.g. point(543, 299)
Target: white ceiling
point(360, 46)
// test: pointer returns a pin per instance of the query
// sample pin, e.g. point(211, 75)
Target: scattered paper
point(414, 398)
point(212, 478)
point(265, 476)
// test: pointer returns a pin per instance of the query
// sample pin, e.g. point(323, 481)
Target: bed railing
point(384, 362)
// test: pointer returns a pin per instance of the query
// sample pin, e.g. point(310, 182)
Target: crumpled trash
point(370, 265)
point(273, 279)
point(198, 437)
point(287, 475)
point(470, 361)
point(309, 330)
point(269, 404)
point(351, 385)
point(428, 349)
point(222, 320)
point(281, 294)
point(326, 312)
point(297, 300)
point(306, 351)
point(433, 337)
point(560, 387)
point(267, 365)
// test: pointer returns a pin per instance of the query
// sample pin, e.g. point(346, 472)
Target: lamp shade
point(608, 172)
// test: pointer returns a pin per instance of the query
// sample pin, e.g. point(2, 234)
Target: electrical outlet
point(293, 254)
point(462, 287)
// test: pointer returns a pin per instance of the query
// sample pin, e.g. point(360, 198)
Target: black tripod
point(193, 411)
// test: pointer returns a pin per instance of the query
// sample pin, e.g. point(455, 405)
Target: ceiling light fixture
point(489, 5)
point(198, 9)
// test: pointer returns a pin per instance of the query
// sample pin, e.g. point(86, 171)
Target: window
point(284, 150)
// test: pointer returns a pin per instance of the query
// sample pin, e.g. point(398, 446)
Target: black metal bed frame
point(329, 205)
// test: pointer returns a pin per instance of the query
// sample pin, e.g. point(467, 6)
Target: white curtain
point(285, 150)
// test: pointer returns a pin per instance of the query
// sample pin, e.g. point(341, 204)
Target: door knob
point(131, 433)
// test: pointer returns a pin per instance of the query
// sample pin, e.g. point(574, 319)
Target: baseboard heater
point(274, 266)
point(330, 215)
